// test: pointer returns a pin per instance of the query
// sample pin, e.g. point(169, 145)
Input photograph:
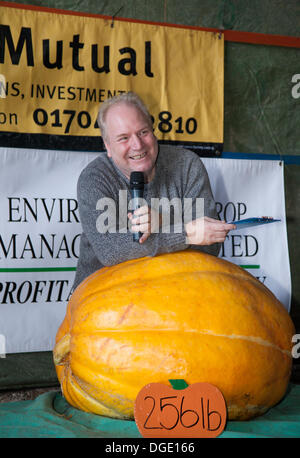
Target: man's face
point(130, 141)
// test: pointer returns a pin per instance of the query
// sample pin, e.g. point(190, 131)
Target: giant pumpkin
point(185, 315)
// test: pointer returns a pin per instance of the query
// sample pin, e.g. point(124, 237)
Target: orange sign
point(196, 411)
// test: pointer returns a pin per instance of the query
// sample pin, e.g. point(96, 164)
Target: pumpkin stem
point(61, 349)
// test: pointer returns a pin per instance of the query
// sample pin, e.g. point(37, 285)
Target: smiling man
point(129, 139)
point(170, 173)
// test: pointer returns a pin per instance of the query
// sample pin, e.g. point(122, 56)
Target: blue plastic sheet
point(50, 416)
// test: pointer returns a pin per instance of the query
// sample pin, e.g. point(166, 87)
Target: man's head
point(127, 132)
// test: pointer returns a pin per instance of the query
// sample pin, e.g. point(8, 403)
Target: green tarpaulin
point(50, 416)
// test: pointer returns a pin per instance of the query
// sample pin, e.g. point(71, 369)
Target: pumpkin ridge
point(207, 332)
point(254, 339)
point(236, 275)
point(61, 349)
point(106, 408)
point(99, 287)
point(100, 375)
point(86, 299)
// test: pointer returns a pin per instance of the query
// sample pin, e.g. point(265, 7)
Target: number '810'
point(165, 125)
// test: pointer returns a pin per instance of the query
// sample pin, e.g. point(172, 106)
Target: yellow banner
point(56, 69)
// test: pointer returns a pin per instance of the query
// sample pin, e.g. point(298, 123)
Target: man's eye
point(144, 132)
point(123, 139)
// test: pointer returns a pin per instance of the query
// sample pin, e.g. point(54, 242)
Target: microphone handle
point(136, 195)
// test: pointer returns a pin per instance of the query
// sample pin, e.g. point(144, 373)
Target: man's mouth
point(138, 156)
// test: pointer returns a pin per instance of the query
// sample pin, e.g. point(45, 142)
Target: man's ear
point(107, 148)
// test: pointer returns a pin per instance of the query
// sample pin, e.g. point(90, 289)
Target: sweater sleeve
point(98, 210)
point(191, 183)
point(187, 179)
point(198, 186)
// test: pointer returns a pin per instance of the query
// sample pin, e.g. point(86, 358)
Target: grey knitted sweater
point(179, 173)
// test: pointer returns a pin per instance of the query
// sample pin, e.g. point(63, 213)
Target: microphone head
point(137, 180)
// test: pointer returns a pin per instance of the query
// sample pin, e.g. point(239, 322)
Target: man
point(169, 173)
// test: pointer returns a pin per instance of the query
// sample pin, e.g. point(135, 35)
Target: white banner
point(254, 188)
point(39, 242)
point(40, 232)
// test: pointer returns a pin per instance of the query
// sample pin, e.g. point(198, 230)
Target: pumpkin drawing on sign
point(198, 410)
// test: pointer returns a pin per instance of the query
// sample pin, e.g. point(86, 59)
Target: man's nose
point(136, 142)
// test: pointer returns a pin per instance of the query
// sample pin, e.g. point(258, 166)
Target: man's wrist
point(195, 231)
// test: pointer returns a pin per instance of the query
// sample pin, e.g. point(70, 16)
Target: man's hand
point(145, 220)
point(206, 231)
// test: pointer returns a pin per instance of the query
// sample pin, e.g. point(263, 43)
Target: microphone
point(137, 192)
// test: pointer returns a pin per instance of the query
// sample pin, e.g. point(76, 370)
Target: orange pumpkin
point(184, 315)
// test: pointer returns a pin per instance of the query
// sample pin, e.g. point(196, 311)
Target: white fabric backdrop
point(40, 233)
